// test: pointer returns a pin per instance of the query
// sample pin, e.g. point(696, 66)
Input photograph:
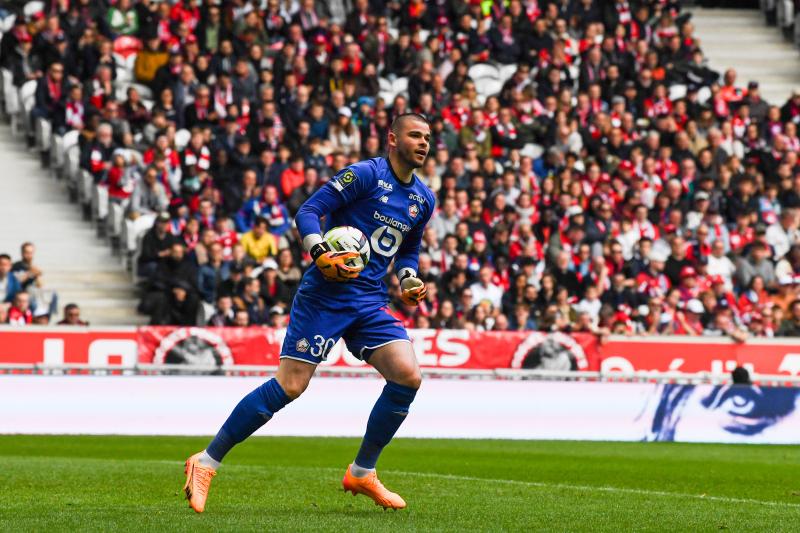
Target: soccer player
point(385, 200)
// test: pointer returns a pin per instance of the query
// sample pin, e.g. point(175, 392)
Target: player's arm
point(406, 262)
point(343, 189)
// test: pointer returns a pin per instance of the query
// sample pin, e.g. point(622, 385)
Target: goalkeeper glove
point(332, 264)
point(412, 290)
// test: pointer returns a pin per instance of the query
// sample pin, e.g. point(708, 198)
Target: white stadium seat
point(483, 70)
point(182, 138)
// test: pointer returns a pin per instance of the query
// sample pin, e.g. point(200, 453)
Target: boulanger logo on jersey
point(391, 222)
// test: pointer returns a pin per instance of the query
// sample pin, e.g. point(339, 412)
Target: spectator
point(790, 327)
point(24, 270)
point(9, 284)
point(259, 243)
point(72, 316)
point(20, 313)
point(156, 245)
point(251, 301)
point(149, 195)
point(284, 99)
point(485, 290)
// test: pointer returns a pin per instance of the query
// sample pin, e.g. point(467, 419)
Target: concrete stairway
point(34, 207)
point(739, 38)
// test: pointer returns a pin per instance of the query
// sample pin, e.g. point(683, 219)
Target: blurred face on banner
point(724, 413)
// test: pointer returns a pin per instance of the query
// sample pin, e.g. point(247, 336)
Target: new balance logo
point(385, 185)
point(384, 199)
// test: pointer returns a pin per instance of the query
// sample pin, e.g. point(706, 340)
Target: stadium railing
point(681, 378)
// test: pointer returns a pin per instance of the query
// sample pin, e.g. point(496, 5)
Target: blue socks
point(389, 412)
point(258, 407)
point(252, 412)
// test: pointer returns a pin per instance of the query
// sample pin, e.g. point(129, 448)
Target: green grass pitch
point(60, 483)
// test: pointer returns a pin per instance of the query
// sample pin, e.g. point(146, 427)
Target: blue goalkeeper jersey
point(392, 215)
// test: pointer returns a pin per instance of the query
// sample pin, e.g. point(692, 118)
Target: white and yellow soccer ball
point(349, 239)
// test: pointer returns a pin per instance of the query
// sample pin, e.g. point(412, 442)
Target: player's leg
point(252, 412)
point(313, 330)
point(383, 342)
point(397, 364)
point(258, 407)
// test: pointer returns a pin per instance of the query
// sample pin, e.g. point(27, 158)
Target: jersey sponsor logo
point(302, 345)
point(384, 199)
point(385, 185)
point(391, 222)
point(413, 210)
point(386, 240)
point(344, 180)
point(416, 198)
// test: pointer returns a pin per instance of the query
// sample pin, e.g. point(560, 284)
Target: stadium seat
point(27, 99)
point(400, 85)
point(796, 30)
point(703, 95)
point(144, 91)
point(676, 92)
point(2, 88)
point(43, 133)
point(11, 100)
point(785, 14)
point(59, 145)
point(182, 138)
point(99, 204)
point(114, 222)
point(387, 96)
point(7, 23)
point(85, 188)
point(506, 71)
point(31, 8)
point(483, 70)
point(488, 86)
point(534, 151)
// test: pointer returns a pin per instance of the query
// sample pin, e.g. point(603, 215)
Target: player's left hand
point(412, 291)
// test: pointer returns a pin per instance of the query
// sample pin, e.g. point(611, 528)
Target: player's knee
point(294, 386)
point(411, 378)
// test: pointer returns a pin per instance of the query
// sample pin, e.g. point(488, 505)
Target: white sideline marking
point(539, 484)
point(434, 475)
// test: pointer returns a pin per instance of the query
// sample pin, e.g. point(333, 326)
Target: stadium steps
point(739, 38)
point(76, 264)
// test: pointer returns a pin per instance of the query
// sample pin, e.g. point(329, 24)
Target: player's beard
point(409, 157)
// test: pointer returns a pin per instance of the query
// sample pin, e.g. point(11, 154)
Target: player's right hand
point(332, 264)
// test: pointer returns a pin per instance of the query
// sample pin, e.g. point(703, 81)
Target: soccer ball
point(349, 239)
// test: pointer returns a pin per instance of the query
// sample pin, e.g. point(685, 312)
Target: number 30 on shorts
point(322, 346)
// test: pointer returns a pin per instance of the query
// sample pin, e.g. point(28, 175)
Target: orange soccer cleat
point(371, 486)
point(198, 481)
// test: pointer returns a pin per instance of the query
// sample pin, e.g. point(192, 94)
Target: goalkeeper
point(385, 200)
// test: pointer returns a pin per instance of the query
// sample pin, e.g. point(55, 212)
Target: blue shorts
point(316, 326)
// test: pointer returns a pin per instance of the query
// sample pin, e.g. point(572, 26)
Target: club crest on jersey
point(413, 210)
point(302, 345)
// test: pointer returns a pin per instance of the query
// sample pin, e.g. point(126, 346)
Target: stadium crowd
point(24, 296)
point(666, 201)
